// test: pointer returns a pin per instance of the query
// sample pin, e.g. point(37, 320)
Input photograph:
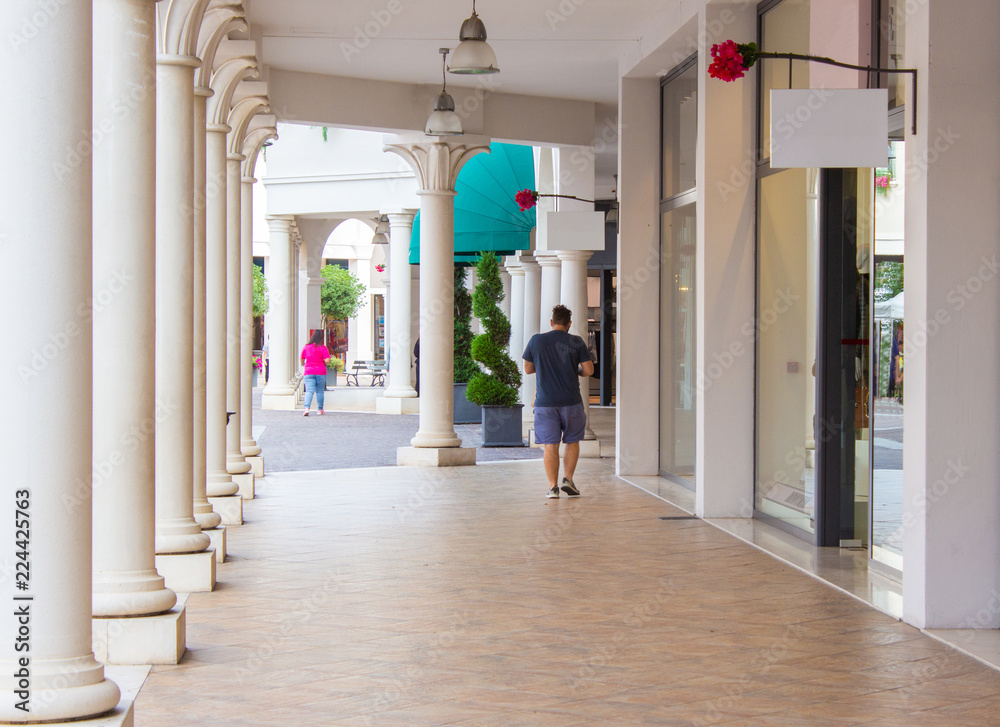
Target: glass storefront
point(678, 393)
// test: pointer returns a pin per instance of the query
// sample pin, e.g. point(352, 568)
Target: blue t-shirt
point(556, 354)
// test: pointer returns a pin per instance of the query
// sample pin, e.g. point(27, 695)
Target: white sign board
point(570, 231)
point(823, 127)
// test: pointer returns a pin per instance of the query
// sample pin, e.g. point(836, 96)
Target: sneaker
point(569, 488)
point(321, 412)
point(553, 494)
point(305, 413)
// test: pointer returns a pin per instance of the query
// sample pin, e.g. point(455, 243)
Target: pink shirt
point(315, 356)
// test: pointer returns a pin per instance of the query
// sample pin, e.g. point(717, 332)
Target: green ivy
point(499, 386)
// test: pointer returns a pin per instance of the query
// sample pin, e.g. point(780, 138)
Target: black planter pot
point(465, 411)
point(502, 426)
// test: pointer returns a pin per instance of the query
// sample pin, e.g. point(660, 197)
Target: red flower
point(380, 267)
point(728, 63)
point(526, 199)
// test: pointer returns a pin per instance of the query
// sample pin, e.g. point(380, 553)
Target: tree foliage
point(465, 367)
point(499, 386)
point(261, 303)
point(342, 294)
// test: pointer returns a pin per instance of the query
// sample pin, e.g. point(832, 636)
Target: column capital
point(280, 223)
point(179, 26)
point(219, 21)
point(569, 255)
point(224, 82)
point(240, 117)
point(401, 218)
point(436, 163)
point(547, 260)
point(256, 139)
point(527, 261)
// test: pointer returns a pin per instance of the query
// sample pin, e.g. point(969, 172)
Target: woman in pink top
point(314, 357)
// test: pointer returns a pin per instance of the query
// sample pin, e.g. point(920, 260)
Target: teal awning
point(486, 215)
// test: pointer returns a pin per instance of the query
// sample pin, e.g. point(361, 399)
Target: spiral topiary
point(499, 386)
point(465, 367)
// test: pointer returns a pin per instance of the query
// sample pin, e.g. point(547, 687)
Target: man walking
point(559, 359)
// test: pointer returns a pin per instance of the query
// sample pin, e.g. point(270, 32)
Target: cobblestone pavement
point(347, 440)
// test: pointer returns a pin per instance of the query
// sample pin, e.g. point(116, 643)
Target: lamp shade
point(473, 57)
point(444, 121)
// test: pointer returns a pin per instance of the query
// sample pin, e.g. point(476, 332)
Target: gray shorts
point(555, 423)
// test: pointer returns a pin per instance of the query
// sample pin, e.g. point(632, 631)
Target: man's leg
point(570, 458)
point(551, 457)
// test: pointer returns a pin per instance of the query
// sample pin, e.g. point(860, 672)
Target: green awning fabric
point(486, 215)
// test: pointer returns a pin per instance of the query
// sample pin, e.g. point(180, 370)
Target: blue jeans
point(315, 384)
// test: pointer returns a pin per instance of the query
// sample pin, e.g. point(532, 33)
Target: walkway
point(406, 597)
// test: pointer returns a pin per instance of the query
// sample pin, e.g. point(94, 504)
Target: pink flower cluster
point(727, 62)
point(882, 181)
point(526, 199)
point(380, 267)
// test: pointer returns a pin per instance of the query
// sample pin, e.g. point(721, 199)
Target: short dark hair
point(317, 337)
point(561, 315)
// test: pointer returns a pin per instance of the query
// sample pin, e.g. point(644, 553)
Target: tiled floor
point(403, 596)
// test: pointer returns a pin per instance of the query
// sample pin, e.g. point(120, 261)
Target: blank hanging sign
point(822, 127)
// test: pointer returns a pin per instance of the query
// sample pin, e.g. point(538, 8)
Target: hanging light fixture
point(473, 54)
point(443, 120)
point(381, 229)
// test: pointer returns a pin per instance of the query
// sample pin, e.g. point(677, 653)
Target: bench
point(376, 368)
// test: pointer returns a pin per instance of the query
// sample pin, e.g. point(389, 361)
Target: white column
point(176, 529)
point(725, 287)
point(532, 315)
point(45, 437)
point(125, 579)
point(236, 463)
point(951, 543)
point(400, 345)
point(574, 296)
point(219, 481)
point(296, 338)
point(204, 515)
point(248, 445)
point(279, 317)
point(516, 311)
point(505, 282)
point(437, 165)
point(551, 286)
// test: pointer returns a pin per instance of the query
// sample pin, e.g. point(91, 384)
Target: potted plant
point(257, 365)
point(333, 367)
point(495, 389)
point(466, 412)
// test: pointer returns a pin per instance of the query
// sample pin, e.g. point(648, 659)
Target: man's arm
point(529, 367)
point(587, 368)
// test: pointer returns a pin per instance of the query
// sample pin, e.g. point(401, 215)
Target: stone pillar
point(204, 515)
point(125, 579)
point(516, 311)
point(532, 316)
point(296, 342)
point(398, 335)
point(574, 296)
point(248, 446)
point(236, 463)
point(279, 390)
point(437, 164)
point(45, 437)
point(176, 529)
point(219, 481)
point(551, 287)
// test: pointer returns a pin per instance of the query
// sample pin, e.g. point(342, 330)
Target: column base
point(205, 516)
point(236, 464)
point(435, 457)
point(256, 465)
point(589, 448)
point(144, 640)
point(230, 509)
point(390, 405)
point(220, 484)
point(245, 483)
point(188, 572)
point(218, 538)
point(284, 401)
point(249, 448)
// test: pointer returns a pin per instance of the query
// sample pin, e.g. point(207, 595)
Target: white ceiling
point(555, 48)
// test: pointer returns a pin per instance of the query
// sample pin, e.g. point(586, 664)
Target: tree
point(465, 367)
point(499, 386)
point(342, 294)
point(261, 303)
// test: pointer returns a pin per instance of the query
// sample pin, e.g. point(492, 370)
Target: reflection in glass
point(892, 42)
point(787, 294)
point(680, 132)
point(677, 339)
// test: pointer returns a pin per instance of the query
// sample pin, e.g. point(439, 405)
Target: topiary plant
point(499, 386)
point(465, 367)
